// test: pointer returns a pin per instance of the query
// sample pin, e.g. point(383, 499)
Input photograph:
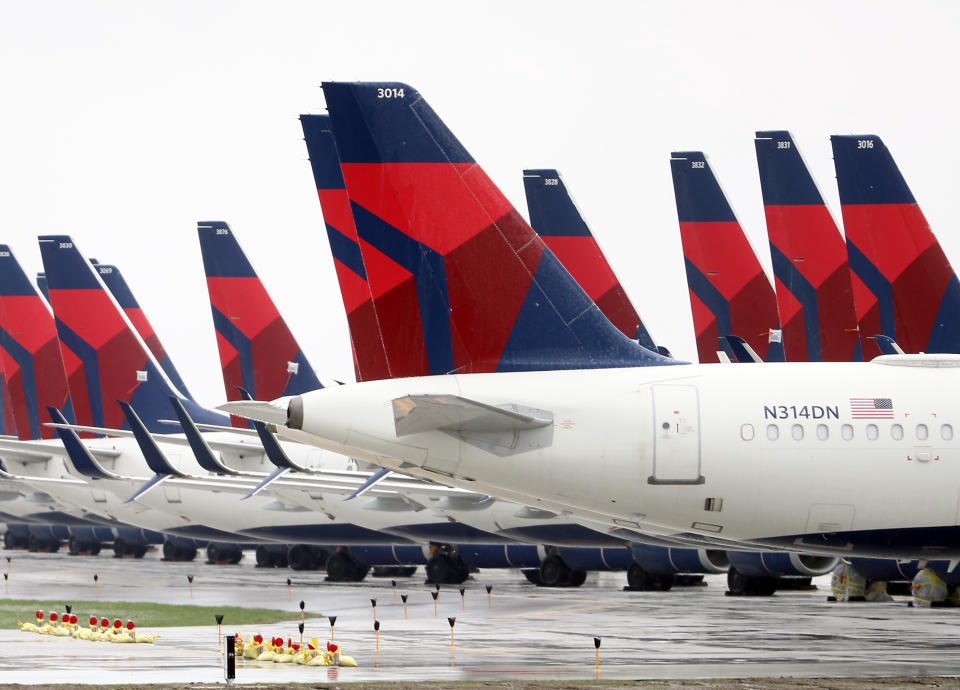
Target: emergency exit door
point(676, 434)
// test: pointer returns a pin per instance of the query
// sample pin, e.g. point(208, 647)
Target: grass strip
point(144, 614)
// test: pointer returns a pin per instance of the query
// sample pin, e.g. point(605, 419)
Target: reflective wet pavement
point(530, 633)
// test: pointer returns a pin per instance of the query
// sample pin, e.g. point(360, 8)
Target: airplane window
point(746, 432)
point(946, 432)
point(922, 432)
point(823, 432)
point(896, 432)
point(773, 432)
point(872, 432)
point(797, 432)
point(846, 431)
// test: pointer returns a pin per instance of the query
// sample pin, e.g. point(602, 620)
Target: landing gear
point(271, 556)
point(555, 573)
point(228, 554)
point(78, 546)
point(644, 581)
point(13, 541)
point(306, 557)
point(343, 567)
point(174, 551)
point(44, 544)
point(739, 584)
point(447, 567)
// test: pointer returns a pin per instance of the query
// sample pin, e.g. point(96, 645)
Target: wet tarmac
point(529, 633)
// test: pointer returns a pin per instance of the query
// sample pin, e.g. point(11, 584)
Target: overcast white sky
point(123, 123)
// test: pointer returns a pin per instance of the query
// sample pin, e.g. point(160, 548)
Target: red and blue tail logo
point(729, 292)
point(32, 364)
point(112, 363)
point(121, 292)
point(903, 283)
point(369, 356)
point(555, 217)
point(9, 423)
point(257, 350)
point(460, 281)
point(810, 265)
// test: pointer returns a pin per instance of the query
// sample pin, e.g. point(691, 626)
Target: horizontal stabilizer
point(417, 413)
point(153, 482)
point(256, 409)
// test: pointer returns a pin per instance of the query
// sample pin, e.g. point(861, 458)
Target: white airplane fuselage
point(831, 457)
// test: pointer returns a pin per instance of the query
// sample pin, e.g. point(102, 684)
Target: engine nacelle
point(888, 569)
point(775, 564)
point(390, 555)
point(501, 555)
point(606, 558)
point(667, 560)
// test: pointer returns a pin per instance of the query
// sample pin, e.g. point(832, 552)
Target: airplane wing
point(417, 413)
point(35, 451)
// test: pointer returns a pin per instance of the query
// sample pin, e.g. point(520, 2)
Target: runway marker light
point(489, 600)
point(289, 591)
point(403, 598)
point(303, 616)
point(190, 580)
point(463, 599)
point(68, 607)
point(451, 621)
point(393, 583)
point(596, 644)
point(333, 621)
point(373, 603)
point(6, 582)
point(437, 586)
point(96, 584)
point(301, 633)
point(219, 618)
point(376, 631)
point(434, 595)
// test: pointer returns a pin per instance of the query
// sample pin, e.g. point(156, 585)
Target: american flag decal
point(871, 408)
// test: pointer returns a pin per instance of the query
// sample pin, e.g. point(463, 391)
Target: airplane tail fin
point(257, 350)
point(555, 217)
point(121, 292)
point(810, 265)
point(460, 281)
point(899, 267)
point(369, 356)
point(32, 363)
point(114, 363)
point(729, 292)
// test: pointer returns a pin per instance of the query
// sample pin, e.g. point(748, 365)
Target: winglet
point(155, 458)
point(274, 451)
point(81, 458)
point(198, 444)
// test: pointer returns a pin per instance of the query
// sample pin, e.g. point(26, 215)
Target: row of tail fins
point(439, 273)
